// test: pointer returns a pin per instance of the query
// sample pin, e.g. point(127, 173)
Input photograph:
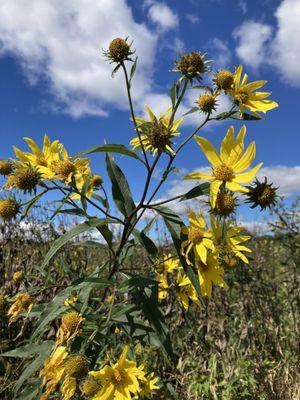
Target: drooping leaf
point(77, 230)
point(120, 188)
point(199, 190)
point(146, 242)
point(110, 148)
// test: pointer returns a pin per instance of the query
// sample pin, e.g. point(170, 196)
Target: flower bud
point(225, 204)
point(191, 65)
point(207, 102)
point(224, 79)
point(6, 167)
point(71, 321)
point(9, 208)
point(25, 179)
point(118, 50)
point(90, 386)
point(77, 366)
point(18, 276)
point(262, 194)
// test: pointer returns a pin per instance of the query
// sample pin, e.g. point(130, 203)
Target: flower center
point(202, 266)
point(41, 161)
point(63, 168)
point(118, 376)
point(159, 135)
point(242, 96)
point(223, 173)
point(195, 236)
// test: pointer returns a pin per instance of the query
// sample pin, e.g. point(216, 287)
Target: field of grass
point(244, 344)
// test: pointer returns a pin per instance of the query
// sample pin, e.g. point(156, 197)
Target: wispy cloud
point(60, 42)
point(261, 44)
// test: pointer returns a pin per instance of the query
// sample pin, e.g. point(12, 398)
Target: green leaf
point(77, 230)
point(147, 300)
point(174, 224)
point(110, 148)
point(146, 242)
point(199, 190)
point(35, 365)
point(120, 188)
point(245, 116)
point(28, 350)
point(192, 110)
point(132, 70)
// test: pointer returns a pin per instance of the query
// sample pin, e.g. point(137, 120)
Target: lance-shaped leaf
point(110, 148)
point(120, 188)
point(197, 191)
point(77, 230)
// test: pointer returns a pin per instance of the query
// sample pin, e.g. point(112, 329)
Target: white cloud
point(243, 6)
point(221, 53)
point(61, 42)
point(287, 178)
point(286, 45)
point(162, 15)
point(193, 18)
point(252, 37)
point(280, 50)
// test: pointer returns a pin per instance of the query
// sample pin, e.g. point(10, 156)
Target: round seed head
point(159, 135)
point(225, 204)
point(207, 102)
point(18, 276)
point(77, 366)
point(224, 79)
point(191, 65)
point(71, 321)
point(262, 194)
point(118, 50)
point(25, 179)
point(6, 167)
point(90, 387)
point(9, 208)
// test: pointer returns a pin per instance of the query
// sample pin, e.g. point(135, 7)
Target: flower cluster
point(113, 298)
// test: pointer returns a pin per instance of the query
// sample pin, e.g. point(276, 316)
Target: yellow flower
point(18, 276)
point(53, 370)
point(232, 241)
point(68, 388)
point(22, 303)
point(167, 265)
point(39, 158)
point(246, 96)
point(71, 300)
point(70, 327)
point(199, 240)
point(121, 381)
point(53, 161)
point(148, 385)
point(228, 167)
point(65, 168)
point(186, 291)
point(157, 133)
point(162, 286)
point(209, 273)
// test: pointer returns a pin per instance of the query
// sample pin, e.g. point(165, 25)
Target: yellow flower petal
point(248, 176)
point(209, 151)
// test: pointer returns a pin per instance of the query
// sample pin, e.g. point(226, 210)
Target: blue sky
point(54, 79)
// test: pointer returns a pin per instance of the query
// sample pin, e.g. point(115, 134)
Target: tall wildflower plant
point(88, 341)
